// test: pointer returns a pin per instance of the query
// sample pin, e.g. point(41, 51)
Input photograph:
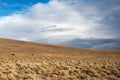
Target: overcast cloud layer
point(64, 21)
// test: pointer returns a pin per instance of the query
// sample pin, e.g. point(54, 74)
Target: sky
point(90, 24)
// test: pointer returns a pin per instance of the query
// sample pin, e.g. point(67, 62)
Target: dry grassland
point(32, 61)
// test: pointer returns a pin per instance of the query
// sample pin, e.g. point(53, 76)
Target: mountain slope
point(23, 46)
point(8, 47)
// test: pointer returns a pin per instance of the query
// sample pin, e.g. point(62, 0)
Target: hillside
point(20, 60)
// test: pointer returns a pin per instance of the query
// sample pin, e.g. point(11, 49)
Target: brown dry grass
point(32, 61)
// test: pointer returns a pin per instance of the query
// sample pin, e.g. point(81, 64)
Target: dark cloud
point(106, 12)
point(94, 43)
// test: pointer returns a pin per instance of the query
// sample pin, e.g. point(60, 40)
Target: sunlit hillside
point(20, 60)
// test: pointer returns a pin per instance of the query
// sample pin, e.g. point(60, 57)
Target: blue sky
point(78, 23)
point(7, 7)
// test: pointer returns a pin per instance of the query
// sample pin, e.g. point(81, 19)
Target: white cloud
point(53, 22)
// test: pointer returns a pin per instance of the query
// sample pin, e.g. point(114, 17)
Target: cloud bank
point(94, 43)
point(61, 21)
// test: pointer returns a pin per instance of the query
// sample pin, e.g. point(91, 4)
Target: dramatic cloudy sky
point(78, 23)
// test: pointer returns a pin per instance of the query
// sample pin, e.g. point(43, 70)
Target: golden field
point(21, 60)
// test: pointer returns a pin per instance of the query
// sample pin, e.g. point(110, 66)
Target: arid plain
point(20, 60)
